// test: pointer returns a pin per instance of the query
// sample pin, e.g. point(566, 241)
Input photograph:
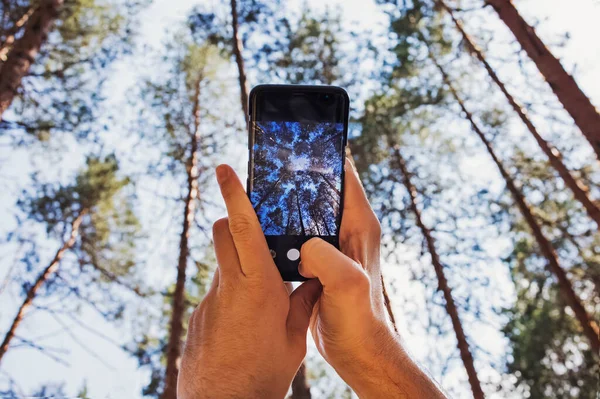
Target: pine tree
point(178, 117)
point(87, 214)
point(589, 326)
point(550, 356)
point(196, 68)
point(25, 50)
point(239, 59)
point(578, 187)
point(463, 345)
point(68, 58)
point(577, 104)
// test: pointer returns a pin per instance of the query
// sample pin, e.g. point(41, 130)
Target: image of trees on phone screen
point(297, 177)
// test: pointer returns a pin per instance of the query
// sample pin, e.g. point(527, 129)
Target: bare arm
point(349, 323)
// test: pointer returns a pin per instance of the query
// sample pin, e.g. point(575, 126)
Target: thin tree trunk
point(333, 187)
point(25, 50)
point(325, 223)
point(315, 221)
point(39, 282)
point(264, 198)
point(10, 34)
point(564, 86)
point(176, 324)
point(579, 189)
point(388, 305)
point(300, 387)
point(287, 226)
point(463, 345)
point(300, 213)
point(589, 326)
point(239, 60)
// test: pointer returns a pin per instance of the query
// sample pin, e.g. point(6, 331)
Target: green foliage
point(551, 358)
point(416, 25)
point(93, 191)
point(105, 250)
point(167, 112)
point(62, 92)
point(309, 52)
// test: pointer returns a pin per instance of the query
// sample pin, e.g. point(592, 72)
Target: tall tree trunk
point(176, 324)
point(42, 278)
point(589, 326)
point(266, 196)
point(25, 50)
point(300, 213)
point(463, 345)
point(329, 183)
point(239, 60)
point(315, 218)
point(10, 34)
point(300, 387)
point(564, 86)
point(579, 189)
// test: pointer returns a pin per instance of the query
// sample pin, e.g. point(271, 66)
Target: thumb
point(338, 274)
point(302, 301)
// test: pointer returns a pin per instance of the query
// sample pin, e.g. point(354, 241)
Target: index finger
point(244, 227)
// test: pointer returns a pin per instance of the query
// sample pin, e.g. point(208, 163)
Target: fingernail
point(222, 173)
point(301, 269)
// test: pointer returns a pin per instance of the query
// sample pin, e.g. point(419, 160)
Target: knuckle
point(241, 225)
point(311, 247)
point(367, 234)
point(375, 227)
point(357, 281)
point(220, 225)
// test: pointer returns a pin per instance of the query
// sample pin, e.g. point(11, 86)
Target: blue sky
point(118, 376)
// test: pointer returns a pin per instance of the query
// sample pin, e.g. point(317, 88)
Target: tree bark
point(300, 213)
point(579, 189)
point(239, 60)
point(329, 183)
point(24, 51)
point(451, 309)
point(567, 91)
point(174, 344)
point(266, 196)
point(300, 387)
point(10, 34)
point(39, 282)
point(589, 326)
point(388, 305)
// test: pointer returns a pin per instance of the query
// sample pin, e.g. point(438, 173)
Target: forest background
point(479, 154)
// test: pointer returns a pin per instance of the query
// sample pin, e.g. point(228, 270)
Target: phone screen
point(297, 140)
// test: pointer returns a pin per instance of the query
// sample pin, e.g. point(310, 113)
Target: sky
point(118, 376)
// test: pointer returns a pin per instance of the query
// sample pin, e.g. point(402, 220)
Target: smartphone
point(297, 140)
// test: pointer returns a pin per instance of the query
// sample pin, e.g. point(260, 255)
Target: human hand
point(349, 323)
point(247, 338)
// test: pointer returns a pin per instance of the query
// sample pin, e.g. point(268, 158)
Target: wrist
point(383, 369)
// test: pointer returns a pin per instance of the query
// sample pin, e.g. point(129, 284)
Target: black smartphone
point(297, 143)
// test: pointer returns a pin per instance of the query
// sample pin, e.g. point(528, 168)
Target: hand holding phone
point(297, 144)
point(248, 336)
point(349, 323)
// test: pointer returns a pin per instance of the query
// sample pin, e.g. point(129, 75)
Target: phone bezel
point(322, 89)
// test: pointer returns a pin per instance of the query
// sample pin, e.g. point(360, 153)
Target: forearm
point(387, 371)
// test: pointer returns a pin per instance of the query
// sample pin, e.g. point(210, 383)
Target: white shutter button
point(293, 254)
